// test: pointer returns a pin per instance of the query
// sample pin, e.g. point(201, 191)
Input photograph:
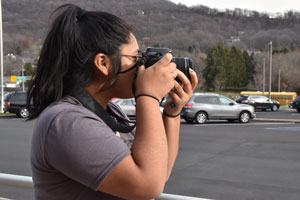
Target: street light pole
point(23, 86)
point(1, 59)
point(264, 77)
point(270, 79)
point(279, 80)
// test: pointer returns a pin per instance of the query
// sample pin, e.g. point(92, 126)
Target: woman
point(81, 145)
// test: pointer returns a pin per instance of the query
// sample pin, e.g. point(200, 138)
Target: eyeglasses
point(136, 58)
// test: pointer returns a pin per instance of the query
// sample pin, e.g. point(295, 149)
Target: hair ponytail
point(66, 58)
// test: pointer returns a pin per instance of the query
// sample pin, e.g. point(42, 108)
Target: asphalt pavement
point(217, 160)
point(284, 114)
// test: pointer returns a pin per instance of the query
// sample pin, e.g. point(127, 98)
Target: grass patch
point(6, 114)
point(231, 95)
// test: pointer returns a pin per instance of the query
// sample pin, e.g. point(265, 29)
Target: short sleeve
point(83, 147)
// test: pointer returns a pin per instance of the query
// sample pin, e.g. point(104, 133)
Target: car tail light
point(8, 104)
point(245, 101)
point(188, 105)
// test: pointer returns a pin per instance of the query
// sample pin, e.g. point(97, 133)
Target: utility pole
point(1, 59)
point(279, 80)
point(264, 77)
point(23, 86)
point(270, 79)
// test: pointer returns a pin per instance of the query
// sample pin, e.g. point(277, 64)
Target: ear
point(102, 63)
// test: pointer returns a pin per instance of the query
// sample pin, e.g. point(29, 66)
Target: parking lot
point(217, 160)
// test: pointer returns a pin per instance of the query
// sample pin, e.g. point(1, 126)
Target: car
point(16, 102)
point(209, 106)
point(296, 104)
point(259, 102)
point(127, 105)
point(5, 95)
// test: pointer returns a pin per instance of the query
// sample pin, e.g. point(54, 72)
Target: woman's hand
point(181, 93)
point(158, 79)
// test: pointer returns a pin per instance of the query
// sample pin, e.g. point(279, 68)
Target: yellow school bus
point(284, 98)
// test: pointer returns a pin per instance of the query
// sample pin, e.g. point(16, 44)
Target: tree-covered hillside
point(189, 31)
point(160, 23)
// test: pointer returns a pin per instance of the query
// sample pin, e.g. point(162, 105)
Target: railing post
point(26, 182)
point(16, 181)
point(164, 196)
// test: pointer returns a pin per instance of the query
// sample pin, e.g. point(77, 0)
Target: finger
point(174, 96)
point(174, 73)
point(141, 69)
point(164, 61)
point(194, 78)
point(186, 84)
point(178, 89)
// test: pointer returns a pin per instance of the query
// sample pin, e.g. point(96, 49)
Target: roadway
point(217, 160)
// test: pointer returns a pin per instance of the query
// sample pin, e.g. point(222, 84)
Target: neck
point(102, 97)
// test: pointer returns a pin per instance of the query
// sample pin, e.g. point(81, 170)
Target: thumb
point(164, 61)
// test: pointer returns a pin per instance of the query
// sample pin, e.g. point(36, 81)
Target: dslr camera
point(152, 55)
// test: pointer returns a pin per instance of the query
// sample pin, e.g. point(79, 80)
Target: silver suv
point(207, 106)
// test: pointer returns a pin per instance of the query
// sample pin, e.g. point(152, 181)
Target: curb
point(276, 120)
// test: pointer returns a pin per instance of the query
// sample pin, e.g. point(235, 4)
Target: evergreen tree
point(28, 69)
point(250, 65)
point(214, 71)
point(237, 68)
point(227, 69)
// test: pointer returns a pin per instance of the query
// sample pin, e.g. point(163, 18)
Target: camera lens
point(152, 55)
point(183, 64)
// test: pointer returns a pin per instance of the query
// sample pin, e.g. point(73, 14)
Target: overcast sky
point(270, 6)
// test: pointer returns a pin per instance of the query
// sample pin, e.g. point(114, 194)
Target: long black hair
point(66, 59)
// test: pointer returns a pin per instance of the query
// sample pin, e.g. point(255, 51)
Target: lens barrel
point(152, 55)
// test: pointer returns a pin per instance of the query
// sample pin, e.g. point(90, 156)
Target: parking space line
point(18, 119)
point(247, 124)
point(1, 198)
point(296, 129)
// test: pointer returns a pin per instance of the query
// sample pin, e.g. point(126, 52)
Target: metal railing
point(16, 181)
point(26, 182)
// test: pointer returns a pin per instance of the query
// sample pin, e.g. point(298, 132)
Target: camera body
point(152, 55)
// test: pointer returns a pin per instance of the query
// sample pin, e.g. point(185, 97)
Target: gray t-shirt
point(72, 151)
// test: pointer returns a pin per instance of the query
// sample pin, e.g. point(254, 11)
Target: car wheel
point(298, 110)
point(188, 120)
point(201, 117)
point(274, 108)
point(23, 113)
point(244, 117)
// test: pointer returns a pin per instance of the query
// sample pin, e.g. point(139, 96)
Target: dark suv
point(16, 103)
point(259, 102)
point(296, 103)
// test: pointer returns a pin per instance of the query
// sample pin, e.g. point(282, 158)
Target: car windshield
point(20, 96)
point(7, 96)
point(257, 97)
point(242, 98)
point(127, 102)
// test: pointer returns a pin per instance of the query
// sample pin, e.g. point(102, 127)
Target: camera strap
point(136, 67)
point(134, 78)
point(116, 124)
